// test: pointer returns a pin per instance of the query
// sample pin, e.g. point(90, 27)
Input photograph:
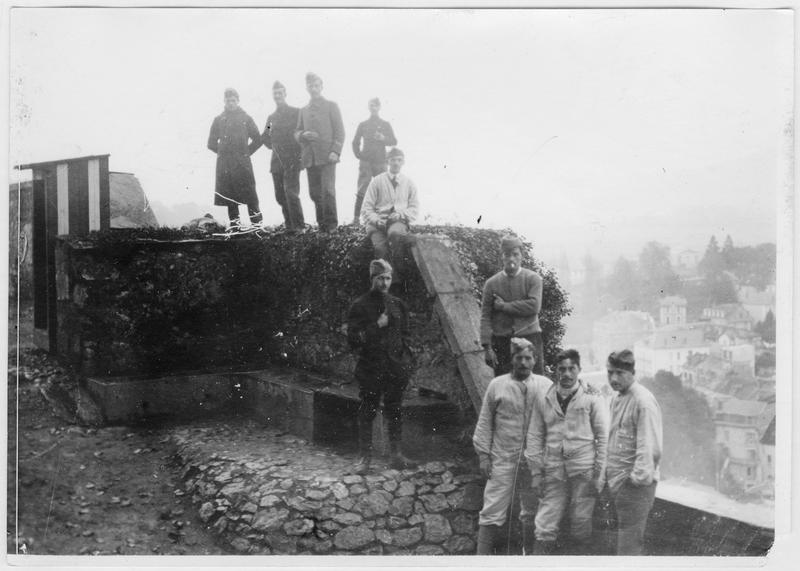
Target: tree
point(728, 254)
point(766, 328)
point(624, 284)
point(712, 263)
point(658, 279)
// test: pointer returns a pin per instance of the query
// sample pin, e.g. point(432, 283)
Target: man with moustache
point(285, 164)
point(499, 442)
point(566, 452)
point(634, 452)
point(512, 299)
point(320, 132)
point(378, 330)
point(235, 183)
point(376, 134)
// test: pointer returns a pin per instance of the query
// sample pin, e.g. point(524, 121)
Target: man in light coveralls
point(499, 441)
point(566, 451)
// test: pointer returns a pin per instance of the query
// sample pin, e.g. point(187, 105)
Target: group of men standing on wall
point(558, 445)
point(312, 138)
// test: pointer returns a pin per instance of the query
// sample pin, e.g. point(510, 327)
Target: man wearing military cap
point(376, 135)
point(378, 330)
point(512, 299)
point(390, 206)
point(320, 132)
point(285, 164)
point(228, 138)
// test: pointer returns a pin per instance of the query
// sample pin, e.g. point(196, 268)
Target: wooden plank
point(476, 376)
point(94, 194)
point(62, 197)
point(439, 265)
point(78, 199)
point(460, 317)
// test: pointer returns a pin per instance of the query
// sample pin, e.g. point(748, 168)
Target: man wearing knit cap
point(376, 134)
point(320, 132)
point(235, 183)
point(378, 331)
point(634, 452)
point(499, 442)
point(512, 299)
point(390, 206)
point(285, 164)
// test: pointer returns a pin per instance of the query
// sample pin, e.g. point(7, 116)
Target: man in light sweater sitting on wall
point(510, 308)
point(390, 206)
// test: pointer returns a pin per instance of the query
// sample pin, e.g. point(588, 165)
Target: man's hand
point(491, 357)
point(333, 157)
point(486, 467)
point(499, 303)
point(383, 319)
point(394, 217)
point(380, 136)
point(309, 135)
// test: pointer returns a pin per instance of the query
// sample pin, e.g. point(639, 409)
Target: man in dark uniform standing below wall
point(228, 138)
point(512, 299)
point(285, 164)
point(377, 135)
point(378, 330)
point(320, 132)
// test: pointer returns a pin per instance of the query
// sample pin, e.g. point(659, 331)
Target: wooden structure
point(70, 198)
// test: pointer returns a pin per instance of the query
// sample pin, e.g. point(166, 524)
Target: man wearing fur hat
point(499, 442)
point(320, 132)
point(376, 135)
point(285, 164)
point(235, 183)
point(390, 206)
point(512, 299)
point(378, 330)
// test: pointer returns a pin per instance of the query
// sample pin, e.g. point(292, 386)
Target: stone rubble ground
point(265, 492)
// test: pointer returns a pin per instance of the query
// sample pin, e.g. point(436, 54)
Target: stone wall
point(151, 302)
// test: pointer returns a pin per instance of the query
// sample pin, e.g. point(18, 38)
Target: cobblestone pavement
point(265, 492)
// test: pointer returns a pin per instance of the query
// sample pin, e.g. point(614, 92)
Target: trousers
point(575, 492)
point(287, 194)
point(252, 209)
point(322, 189)
point(509, 477)
point(632, 505)
point(391, 387)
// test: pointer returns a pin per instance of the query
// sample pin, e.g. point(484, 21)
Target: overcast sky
point(583, 130)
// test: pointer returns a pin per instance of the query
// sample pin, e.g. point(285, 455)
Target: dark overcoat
point(229, 137)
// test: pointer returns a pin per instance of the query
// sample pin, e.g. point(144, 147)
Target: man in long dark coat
point(228, 138)
point(378, 330)
point(320, 132)
point(285, 164)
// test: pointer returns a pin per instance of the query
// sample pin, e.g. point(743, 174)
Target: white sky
point(583, 130)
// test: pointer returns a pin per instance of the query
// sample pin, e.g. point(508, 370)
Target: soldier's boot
point(397, 460)
point(364, 447)
point(528, 537)
point(487, 539)
point(543, 547)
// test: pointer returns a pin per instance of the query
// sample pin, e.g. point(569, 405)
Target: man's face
point(511, 260)
point(522, 364)
point(382, 282)
point(231, 103)
point(374, 108)
point(567, 373)
point(314, 87)
point(279, 96)
point(395, 164)
point(619, 379)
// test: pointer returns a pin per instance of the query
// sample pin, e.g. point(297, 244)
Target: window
point(769, 459)
point(749, 472)
point(751, 454)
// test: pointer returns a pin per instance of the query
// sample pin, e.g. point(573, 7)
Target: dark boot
point(364, 447)
point(487, 539)
point(528, 537)
point(397, 460)
point(543, 547)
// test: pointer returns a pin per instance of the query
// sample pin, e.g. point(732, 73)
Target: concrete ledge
point(125, 399)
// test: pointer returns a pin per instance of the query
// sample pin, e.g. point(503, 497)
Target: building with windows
point(740, 427)
point(669, 348)
point(757, 303)
point(728, 315)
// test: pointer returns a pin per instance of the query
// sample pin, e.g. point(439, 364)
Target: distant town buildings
point(728, 315)
point(672, 310)
point(757, 303)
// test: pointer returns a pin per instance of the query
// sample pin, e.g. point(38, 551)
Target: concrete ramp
point(457, 309)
